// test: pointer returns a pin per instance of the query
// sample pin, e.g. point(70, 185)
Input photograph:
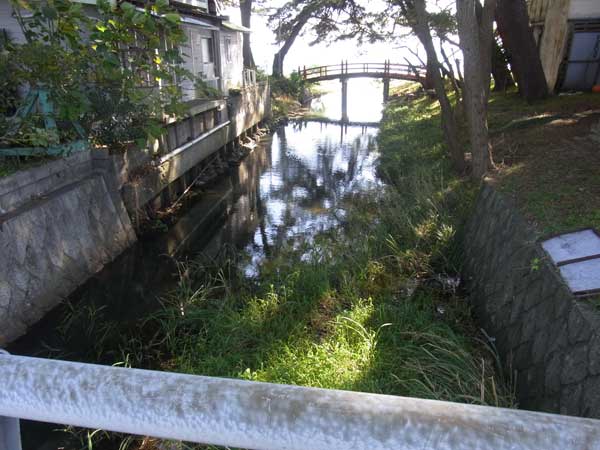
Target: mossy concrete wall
point(550, 339)
point(244, 111)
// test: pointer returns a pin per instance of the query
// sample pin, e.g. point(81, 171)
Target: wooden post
point(386, 89)
point(344, 99)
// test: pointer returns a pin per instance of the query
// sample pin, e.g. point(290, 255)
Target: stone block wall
point(550, 339)
point(59, 224)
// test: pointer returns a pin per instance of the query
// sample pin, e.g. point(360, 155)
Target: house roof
point(202, 23)
point(235, 27)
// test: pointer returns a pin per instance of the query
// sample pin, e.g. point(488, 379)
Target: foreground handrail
point(267, 416)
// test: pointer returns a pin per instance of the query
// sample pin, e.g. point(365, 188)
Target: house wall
point(193, 56)
point(550, 21)
point(584, 9)
point(8, 22)
point(232, 61)
point(554, 39)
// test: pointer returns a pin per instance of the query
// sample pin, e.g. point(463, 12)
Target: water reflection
point(365, 98)
point(310, 173)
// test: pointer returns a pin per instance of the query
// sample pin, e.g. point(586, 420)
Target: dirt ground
point(548, 159)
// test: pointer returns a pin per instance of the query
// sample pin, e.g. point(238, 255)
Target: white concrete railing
point(266, 416)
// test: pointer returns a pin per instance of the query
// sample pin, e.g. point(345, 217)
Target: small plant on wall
point(116, 72)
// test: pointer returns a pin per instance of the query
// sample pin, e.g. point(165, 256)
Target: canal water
point(291, 187)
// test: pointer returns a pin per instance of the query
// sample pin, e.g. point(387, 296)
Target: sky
point(321, 54)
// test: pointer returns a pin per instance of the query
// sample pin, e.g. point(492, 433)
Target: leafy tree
point(328, 17)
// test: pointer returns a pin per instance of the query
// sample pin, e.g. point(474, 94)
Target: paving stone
point(575, 365)
point(5, 294)
point(579, 329)
point(591, 397)
point(570, 399)
point(553, 374)
point(533, 295)
point(559, 337)
point(539, 346)
point(522, 356)
point(52, 256)
point(594, 355)
point(549, 404)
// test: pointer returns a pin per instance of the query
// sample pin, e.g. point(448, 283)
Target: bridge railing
point(346, 68)
point(264, 416)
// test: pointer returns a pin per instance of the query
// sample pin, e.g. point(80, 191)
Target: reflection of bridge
point(346, 123)
point(344, 71)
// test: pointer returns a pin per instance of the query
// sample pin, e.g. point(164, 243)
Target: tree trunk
point(476, 36)
point(246, 13)
point(500, 71)
point(513, 25)
point(422, 30)
point(287, 44)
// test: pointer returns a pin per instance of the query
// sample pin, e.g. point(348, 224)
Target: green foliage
point(8, 88)
point(261, 75)
point(103, 71)
point(291, 87)
point(203, 90)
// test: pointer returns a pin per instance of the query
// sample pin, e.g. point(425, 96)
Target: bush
point(291, 87)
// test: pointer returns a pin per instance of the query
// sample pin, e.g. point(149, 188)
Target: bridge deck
point(346, 70)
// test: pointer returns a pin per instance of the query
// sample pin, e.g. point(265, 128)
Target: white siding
point(584, 9)
point(9, 23)
point(232, 60)
point(195, 60)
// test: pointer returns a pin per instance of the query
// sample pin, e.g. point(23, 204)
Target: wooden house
point(568, 37)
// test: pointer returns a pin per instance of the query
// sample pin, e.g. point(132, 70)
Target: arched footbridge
point(344, 71)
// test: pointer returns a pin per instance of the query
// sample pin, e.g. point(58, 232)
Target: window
point(207, 50)
point(228, 48)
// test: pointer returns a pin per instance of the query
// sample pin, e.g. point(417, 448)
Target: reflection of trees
point(320, 178)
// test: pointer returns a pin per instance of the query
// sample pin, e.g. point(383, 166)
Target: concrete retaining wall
point(550, 338)
point(244, 111)
point(59, 224)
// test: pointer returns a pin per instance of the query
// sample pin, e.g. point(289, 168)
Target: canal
point(292, 187)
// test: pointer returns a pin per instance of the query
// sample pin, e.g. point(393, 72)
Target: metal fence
point(265, 416)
